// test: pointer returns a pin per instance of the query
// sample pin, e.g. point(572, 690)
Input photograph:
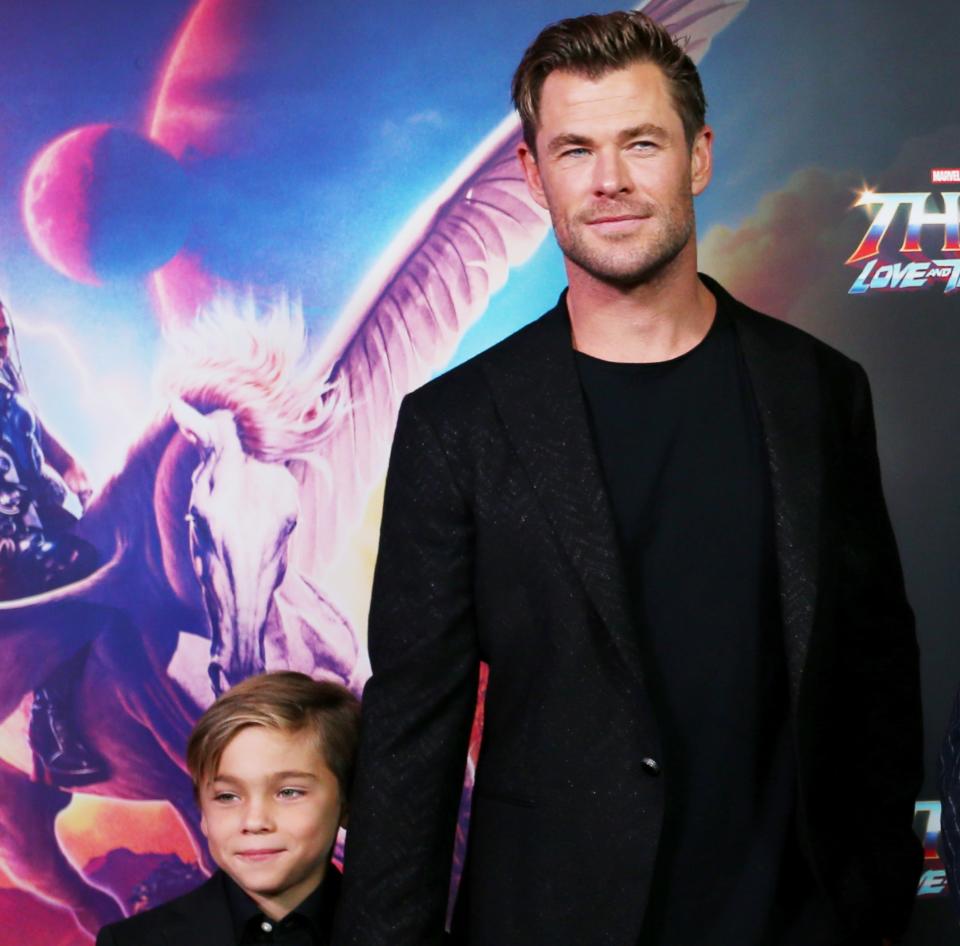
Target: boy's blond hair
point(283, 700)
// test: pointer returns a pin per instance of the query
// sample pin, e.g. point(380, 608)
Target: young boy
point(271, 762)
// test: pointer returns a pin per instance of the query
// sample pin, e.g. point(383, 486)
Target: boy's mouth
point(260, 854)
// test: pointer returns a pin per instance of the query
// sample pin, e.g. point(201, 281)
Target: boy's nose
point(257, 817)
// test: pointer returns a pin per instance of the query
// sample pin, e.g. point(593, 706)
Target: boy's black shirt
point(203, 917)
point(308, 924)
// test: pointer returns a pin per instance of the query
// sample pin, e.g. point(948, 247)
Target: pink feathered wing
point(433, 282)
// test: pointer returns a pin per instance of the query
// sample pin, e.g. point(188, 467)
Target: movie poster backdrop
point(233, 233)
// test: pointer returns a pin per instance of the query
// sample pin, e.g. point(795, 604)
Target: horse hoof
point(64, 772)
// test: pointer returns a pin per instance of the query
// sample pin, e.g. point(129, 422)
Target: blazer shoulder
point(151, 926)
point(787, 337)
point(465, 384)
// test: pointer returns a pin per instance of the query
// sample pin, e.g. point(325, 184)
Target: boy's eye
point(224, 797)
point(290, 792)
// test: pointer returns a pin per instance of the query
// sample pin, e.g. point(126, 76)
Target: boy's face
point(271, 815)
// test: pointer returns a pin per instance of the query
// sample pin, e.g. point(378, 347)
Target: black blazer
point(948, 776)
point(199, 918)
point(498, 545)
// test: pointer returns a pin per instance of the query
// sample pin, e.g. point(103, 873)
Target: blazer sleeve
point(105, 937)
point(880, 663)
point(417, 707)
point(949, 778)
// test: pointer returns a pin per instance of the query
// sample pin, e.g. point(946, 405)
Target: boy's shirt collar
point(309, 923)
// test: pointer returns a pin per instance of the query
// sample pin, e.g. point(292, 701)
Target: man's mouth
point(614, 223)
point(613, 218)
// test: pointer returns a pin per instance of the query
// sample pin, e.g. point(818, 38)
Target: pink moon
point(56, 202)
point(193, 123)
point(103, 203)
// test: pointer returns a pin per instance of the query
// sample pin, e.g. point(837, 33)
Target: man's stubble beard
point(632, 259)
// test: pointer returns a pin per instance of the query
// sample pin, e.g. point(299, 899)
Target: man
point(37, 554)
point(657, 515)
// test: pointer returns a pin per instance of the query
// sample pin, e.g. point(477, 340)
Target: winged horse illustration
point(217, 534)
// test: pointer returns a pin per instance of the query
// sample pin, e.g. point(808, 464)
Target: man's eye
point(643, 145)
point(573, 152)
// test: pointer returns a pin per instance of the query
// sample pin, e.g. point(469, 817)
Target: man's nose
point(611, 175)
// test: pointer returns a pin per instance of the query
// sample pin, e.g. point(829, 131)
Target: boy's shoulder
point(200, 917)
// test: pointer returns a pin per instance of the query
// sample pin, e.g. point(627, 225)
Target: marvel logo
point(945, 176)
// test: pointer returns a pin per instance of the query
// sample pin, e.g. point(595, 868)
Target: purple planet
point(221, 107)
point(101, 203)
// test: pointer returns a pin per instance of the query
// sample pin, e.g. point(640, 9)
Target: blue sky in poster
point(355, 118)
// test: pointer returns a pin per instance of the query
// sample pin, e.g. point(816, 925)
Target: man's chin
point(623, 269)
point(626, 276)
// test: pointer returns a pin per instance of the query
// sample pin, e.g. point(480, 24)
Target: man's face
point(616, 173)
point(271, 815)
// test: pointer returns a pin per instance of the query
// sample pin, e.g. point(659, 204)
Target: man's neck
point(653, 321)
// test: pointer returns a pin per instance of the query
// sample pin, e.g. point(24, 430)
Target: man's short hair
point(283, 700)
point(596, 44)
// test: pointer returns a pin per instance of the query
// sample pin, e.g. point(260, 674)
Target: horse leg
point(32, 855)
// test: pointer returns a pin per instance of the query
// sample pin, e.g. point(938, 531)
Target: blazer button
point(650, 765)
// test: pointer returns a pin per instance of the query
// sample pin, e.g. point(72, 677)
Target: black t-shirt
point(681, 448)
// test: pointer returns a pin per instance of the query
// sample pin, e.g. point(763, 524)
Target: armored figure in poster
point(31, 500)
point(38, 553)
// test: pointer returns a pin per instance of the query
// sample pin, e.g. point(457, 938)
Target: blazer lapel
point(535, 386)
point(785, 383)
point(537, 392)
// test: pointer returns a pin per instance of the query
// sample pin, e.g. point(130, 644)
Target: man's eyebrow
point(646, 130)
point(567, 140)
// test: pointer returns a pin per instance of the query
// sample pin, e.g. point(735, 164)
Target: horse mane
point(232, 357)
point(258, 366)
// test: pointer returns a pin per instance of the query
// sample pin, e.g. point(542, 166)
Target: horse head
point(240, 516)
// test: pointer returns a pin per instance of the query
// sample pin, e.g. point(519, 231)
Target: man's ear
point(701, 160)
point(531, 172)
